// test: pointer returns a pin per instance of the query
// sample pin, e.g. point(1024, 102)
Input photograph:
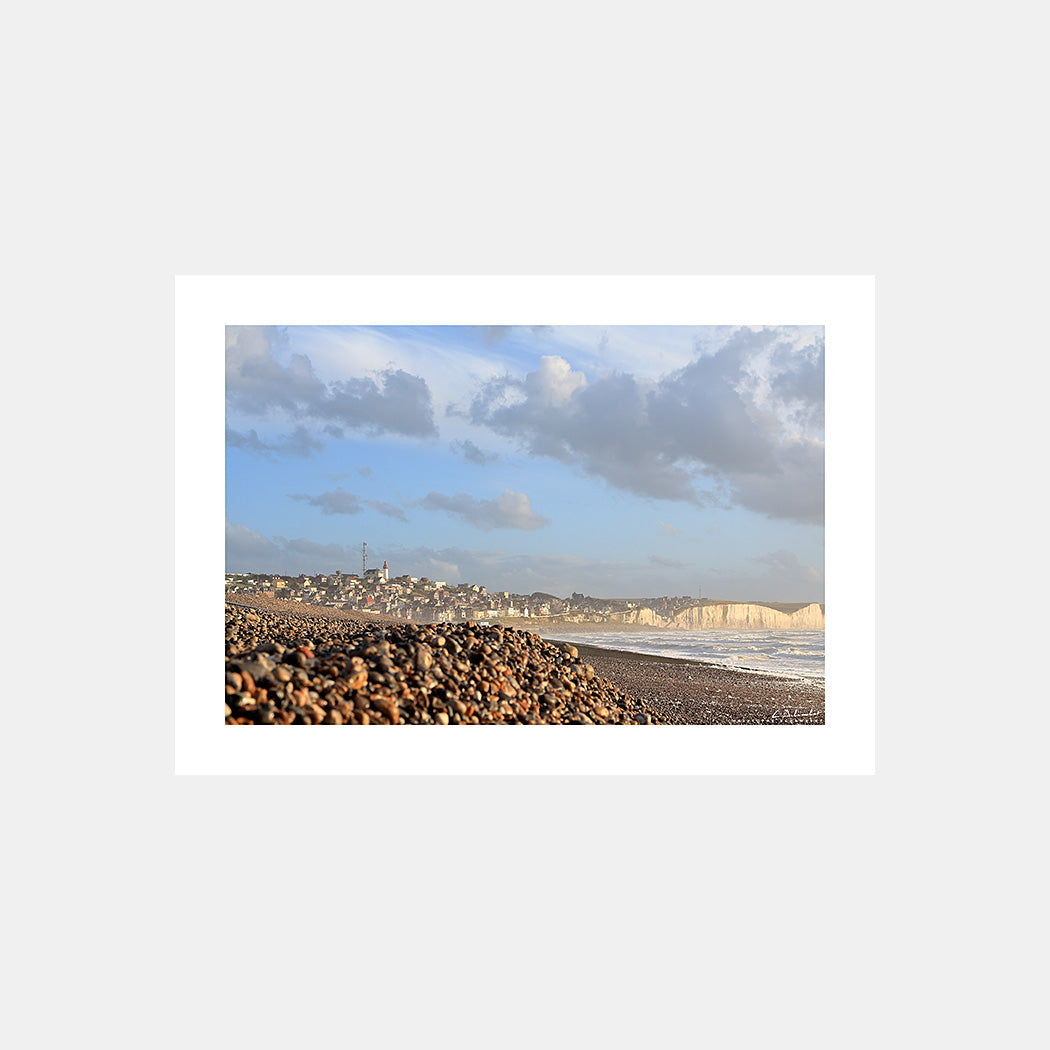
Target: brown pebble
point(454, 673)
point(358, 680)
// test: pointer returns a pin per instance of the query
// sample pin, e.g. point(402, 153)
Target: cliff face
point(643, 617)
point(740, 615)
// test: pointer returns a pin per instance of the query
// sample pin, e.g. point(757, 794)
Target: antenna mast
point(364, 560)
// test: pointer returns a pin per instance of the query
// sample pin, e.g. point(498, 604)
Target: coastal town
point(422, 600)
point(430, 601)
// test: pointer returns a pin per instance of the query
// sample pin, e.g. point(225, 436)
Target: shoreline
point(680, 690)
point(691, 692)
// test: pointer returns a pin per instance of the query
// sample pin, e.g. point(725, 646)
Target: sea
point(795, 654)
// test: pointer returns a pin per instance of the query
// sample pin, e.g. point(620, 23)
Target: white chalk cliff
point(736, 615)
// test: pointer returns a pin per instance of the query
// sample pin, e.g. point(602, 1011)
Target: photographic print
point(524, 525)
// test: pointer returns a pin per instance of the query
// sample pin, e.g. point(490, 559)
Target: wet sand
point(688, 692)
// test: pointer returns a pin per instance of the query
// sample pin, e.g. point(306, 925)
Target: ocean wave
point(794, 654)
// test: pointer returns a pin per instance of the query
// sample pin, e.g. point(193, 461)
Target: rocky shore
point(289, 669)
point(288, 664)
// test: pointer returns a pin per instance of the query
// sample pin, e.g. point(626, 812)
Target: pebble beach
point(292, 664)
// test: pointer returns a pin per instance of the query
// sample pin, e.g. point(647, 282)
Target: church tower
point(386, 571)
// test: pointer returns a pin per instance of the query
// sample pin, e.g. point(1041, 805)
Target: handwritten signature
point(794, 712)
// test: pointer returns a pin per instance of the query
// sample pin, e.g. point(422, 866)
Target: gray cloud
point(249, 442)
point(342, 502)
point(723, 429)
point(402, 406)
point(299, 444)
point(338, 502)
point(602, 429)
point(510, 510)
point(496, 333)
point(798, 383)
point(472, 454)
point(389, 509)
point(671, 530)
point(668, 563)
point(257, 383)
point(793, 490)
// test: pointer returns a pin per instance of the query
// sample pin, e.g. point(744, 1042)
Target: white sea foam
point(797, 654)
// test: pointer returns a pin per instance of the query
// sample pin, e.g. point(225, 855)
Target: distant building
point(375, 575)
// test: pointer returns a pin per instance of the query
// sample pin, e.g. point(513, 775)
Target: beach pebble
point(341, 672)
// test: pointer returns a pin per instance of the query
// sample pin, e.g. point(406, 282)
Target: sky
point(619, 462)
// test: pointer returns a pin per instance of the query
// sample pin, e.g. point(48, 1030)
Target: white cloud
point(701, 435)
point(510, 510)
point(554, 382)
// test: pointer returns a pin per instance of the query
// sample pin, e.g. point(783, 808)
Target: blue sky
point(618, 461)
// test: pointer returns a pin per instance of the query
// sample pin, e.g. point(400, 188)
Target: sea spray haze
point(798, 654)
